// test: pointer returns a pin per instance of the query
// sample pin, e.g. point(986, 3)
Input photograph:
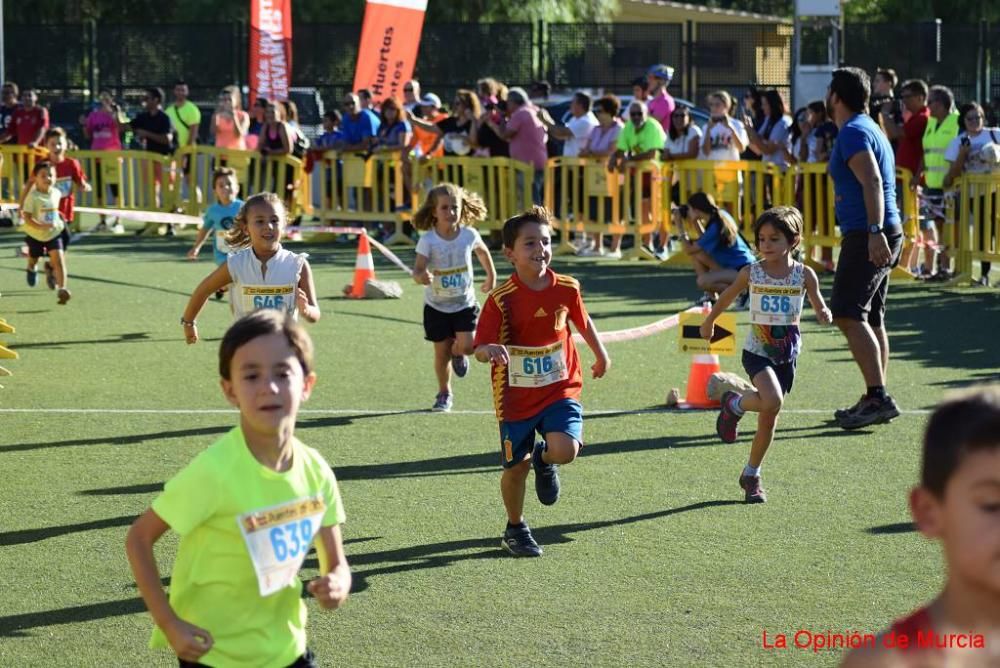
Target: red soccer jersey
point(68, 174)
point(27, 123)
point(909, 627)
point(516, 316)
point(910, 149)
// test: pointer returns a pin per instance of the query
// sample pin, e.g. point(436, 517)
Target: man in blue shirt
point(863, 170)
point(359, 127)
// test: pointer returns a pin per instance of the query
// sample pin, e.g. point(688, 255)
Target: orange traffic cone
point(702, 368)
point(364, 268)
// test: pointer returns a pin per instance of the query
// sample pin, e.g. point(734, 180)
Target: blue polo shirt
point(733, 257)
point(354, 130)
point(861, 133)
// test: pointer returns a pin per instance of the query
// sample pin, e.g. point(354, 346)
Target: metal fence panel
point(611, 55)
point(732, 56)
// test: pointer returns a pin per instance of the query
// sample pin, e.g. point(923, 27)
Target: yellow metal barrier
point(15, 170)
point(503, 183)
point(745, 188)
point(586, 198)
point(127, 180)
point(977, 200)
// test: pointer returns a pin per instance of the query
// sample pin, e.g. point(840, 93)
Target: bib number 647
point(290, 540)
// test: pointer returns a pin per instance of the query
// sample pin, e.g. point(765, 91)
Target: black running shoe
point(546, 477)
point(841, 413)
point(520, 542)
point(32, 275)
point(871, 411)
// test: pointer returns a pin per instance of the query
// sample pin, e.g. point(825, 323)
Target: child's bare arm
point(486, 260)
point(420, 273)
point(198, 242)
point(214, 282)
point(333, 587)
point(188, 641)
point(305, 299)
point(816, 297)
point(725, 299)
point(593, 341)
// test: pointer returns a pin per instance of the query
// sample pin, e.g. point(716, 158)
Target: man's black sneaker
point(869, 412)
point(841, 413)
point(520, 542)
point(546, 477)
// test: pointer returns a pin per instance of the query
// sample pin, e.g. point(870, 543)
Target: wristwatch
point(874, 228)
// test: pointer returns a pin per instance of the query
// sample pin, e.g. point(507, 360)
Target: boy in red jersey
point(523, 332)
point(958, 502)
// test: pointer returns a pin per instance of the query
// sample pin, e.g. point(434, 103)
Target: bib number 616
point(290, 540)
point(537, 365)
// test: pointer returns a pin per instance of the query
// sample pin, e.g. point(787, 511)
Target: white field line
point(389, 411)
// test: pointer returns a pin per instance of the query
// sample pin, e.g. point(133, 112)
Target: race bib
point(278, 539)
point(536, 367)
point(450, 283)
point(220, 242)
point(280, 297)
point(65, 187)
point(775, 304)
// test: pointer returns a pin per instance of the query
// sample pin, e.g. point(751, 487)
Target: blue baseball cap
point(664, 72)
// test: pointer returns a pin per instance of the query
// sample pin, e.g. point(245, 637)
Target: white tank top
point(252, 290)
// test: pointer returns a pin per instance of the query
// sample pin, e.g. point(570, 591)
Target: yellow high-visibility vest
point(937, 136)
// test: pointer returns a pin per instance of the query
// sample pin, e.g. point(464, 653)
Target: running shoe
point(460, 365)
point(442, 403)
point(870, 412)
point(841, 413)
point(727, 422)
point(751, 487)
point(64, 295)
point(32, 275)
point(546, 477)
point(520, 543)
point(219, 294)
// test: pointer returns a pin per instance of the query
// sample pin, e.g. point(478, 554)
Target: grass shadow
point(889, 529)
point(24, 536)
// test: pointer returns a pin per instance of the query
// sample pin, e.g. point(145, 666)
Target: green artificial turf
point(650, 557)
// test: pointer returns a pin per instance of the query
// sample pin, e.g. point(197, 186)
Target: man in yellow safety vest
point(942, 127)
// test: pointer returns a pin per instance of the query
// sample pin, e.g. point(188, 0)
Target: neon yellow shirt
point(650, 137)
point(212, 503)
point(182, 119)
point(43, 207)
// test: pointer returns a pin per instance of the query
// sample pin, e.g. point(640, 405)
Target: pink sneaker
point(754, 492)
point(727, 422)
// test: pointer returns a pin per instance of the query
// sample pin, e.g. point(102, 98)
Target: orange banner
point(390, 36)
point(270, 49)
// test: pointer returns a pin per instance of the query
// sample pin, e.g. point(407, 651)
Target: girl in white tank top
point(262, 273)
point(777, 284)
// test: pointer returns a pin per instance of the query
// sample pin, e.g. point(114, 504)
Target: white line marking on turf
point(395, 411)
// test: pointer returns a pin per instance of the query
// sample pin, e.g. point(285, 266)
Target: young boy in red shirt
point(523, 332)
point(958, 502)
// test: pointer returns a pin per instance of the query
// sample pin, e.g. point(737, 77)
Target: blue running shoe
point(32, 277)
point(546, 477)
point(442, 403)
point(520, 543)
point(460, 365)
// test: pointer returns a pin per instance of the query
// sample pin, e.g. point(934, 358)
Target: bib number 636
point(290, 540)
point(775, 304)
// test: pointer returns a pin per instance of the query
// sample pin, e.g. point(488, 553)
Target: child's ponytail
point(238, 236)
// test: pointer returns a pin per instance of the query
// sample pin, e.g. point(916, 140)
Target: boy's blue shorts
point(517, 439)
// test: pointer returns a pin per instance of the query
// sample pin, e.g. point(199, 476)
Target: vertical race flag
point(270, 49)
point(390, 36)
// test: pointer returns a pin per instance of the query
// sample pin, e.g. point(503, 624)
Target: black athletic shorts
point(441, 326)
point(859, 287)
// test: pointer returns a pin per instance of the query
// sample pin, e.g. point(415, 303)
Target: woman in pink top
point(230, 121)
point(526, 135)
point(601, 144)
point(102, 126)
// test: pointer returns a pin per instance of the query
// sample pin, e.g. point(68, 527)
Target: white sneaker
point(614, 255)
point(117, 228)
point(590, 252)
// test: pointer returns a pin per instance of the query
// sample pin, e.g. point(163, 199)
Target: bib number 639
point(290, 540)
